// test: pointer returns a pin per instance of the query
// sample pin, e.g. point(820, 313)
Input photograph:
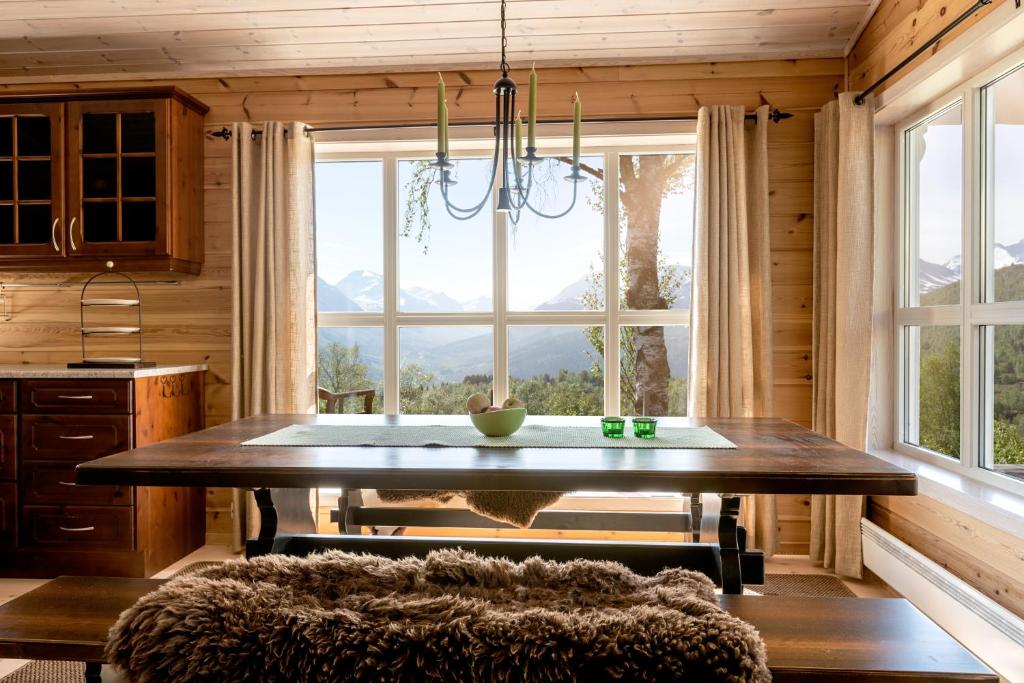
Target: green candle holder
point(644, 427)
point(613, 427)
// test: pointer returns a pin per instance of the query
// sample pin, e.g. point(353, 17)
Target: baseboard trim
point(989, 630)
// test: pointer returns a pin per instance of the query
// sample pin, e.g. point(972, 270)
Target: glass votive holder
point(613, 427)
point(644, 427)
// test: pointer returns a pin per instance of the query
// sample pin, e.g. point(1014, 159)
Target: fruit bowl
point(499, 422)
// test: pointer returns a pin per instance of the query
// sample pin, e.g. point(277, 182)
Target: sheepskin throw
point(453, 616)
point(518, 508)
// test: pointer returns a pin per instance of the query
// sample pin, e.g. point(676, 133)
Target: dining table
point(769, 456)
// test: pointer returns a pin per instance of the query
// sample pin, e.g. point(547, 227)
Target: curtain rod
point(968, 13)
point(774, 115)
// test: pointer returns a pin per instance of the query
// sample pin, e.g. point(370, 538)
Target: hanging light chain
point(504, 42)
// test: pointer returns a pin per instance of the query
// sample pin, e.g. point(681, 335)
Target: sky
point(545, 255)
point(940, 187)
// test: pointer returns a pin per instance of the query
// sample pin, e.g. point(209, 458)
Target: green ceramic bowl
point(499, 422)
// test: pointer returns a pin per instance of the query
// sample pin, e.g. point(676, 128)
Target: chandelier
point(515, 165)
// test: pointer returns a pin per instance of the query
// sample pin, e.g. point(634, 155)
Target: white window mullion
point(973, 264)
point(390, 285)
point(500, 288)
point(612, 331)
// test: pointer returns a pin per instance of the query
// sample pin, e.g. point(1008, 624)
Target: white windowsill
point(990, 504)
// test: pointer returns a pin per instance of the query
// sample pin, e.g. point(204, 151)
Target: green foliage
point(939, 426)
point(420, 392)
point(940, 376)
point(339, 368)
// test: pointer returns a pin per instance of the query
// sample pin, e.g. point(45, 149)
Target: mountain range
point(935, 275)
point(363, 290)
point(453, 352)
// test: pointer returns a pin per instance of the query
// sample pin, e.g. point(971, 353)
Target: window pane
point(653, 369)
point(350, 359)
point(444, 264)
point(934, 151)
point(558, 264)
point(933, 388)
point(441, 367)
point(557, 370)
point(349, 235)
point(1005, 123)
point(655, 230)
point(1005, 451)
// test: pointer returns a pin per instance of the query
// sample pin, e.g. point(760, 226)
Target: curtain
point(730, 314)
point(842, 337)
point(273, 281)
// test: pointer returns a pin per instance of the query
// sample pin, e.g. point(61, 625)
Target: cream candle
point(577, 116)
point(519, 135)
point(442, 117)
point(531, 116)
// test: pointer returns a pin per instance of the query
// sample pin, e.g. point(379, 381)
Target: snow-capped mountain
point(363, 287)
point(934, 275)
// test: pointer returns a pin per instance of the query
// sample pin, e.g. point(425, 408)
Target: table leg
point(268, 525)
point(93, 672)
point(728, 541)
point(696, 513)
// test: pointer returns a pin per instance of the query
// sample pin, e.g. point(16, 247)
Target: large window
point(584, 315)
point(960, 313)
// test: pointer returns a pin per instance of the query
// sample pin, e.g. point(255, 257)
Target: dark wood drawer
point(76, 527)
point(8, 404)
point(73, 437)
point(8, 516)
point(53, 483)
point(76, 396)
point(8, 447)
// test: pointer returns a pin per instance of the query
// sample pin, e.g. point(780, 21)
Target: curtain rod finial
point(224, 133)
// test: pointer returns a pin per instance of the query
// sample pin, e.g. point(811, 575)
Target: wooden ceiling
point(92, 39)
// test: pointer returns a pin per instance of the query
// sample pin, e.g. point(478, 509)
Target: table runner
point(466, 436)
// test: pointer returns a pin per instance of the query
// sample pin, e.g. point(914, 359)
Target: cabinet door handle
point(85, 397)
point(71, 234)
point(67, 483)
point(53, 234)
point(77, 528)
point(81, 437)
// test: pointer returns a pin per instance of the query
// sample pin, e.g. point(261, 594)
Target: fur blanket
point(453, 616)
point(518, 508)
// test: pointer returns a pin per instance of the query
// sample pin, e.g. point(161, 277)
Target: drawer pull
point(80, 437)
point(85, 397)
point(67, 483)
point(77, 528)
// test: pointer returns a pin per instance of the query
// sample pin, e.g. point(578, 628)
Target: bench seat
point(808, 639)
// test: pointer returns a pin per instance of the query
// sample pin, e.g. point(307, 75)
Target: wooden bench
point(809, 639)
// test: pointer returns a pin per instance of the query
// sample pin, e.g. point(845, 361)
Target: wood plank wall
point(897, 28)
point(192, 321)
point(985, 557)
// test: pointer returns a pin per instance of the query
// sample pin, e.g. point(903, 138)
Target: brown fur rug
point(518, 508)
point(453, 616)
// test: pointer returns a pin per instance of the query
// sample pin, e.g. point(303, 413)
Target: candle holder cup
point(613, 427)
point(645, 427)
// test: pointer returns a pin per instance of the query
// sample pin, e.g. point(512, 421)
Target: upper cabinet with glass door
point(131, 183)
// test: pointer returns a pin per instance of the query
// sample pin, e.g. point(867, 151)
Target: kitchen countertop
point(40, 371)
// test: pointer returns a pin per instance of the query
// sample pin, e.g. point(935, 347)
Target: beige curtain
point(843, 259)
point(730, 314)
point(273, 280)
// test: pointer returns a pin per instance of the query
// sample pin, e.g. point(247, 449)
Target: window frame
point(501, 318)
point(974, 316)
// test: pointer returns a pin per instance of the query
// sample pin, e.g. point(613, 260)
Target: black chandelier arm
point(443, 182)
point(523, 192)
point(557, 215)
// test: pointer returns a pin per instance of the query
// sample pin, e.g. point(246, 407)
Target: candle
point(519, 135)
point(442, 124)
point(577, 115)
point(445, 128)
point(531, 122)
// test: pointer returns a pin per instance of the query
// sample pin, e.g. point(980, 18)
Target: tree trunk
point(640, 196)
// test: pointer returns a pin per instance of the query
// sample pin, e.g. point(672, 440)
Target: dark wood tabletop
point(772, 456)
